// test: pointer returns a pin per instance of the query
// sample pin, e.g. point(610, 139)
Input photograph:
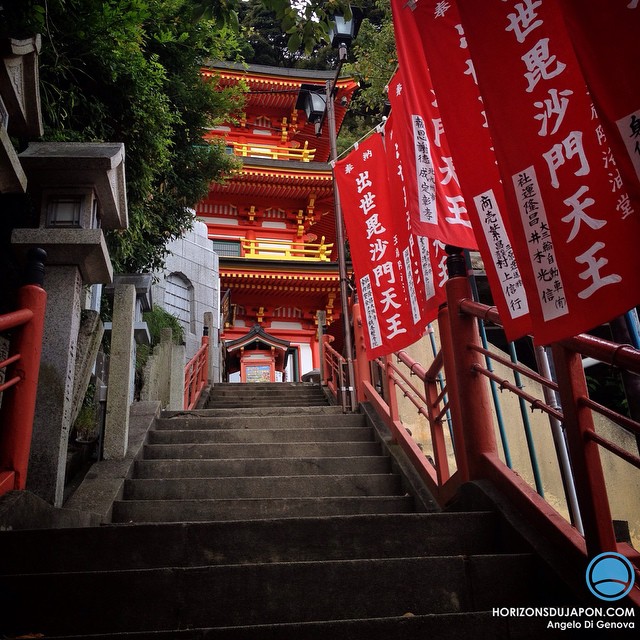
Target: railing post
point(475, 433)
point(326, 368)
point(390, 396)
point(362, 368)
point(585, 457)
point(204, 374)
point(19, 404)
point(453, 394)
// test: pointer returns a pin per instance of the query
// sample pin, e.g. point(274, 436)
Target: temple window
point(179, 300)
point(227, 248)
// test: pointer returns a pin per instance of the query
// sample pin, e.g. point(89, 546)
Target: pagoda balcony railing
point(254, 150)
point(286, 250)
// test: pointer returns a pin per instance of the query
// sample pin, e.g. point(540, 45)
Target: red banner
point(605, 35)
point(438, 209)
point(438, 27)
point(428, 255)
point(572, 238)
point(380, 251)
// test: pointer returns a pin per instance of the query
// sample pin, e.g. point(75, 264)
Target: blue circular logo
point(610, 576)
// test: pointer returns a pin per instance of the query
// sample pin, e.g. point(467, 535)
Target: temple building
point(272, 224)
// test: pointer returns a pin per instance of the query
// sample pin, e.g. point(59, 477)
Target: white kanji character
point(377, 249)
point(524, 21)
point(388, 300)
point(554, 106)
point(615, 180)
point(538, 62)
point(463, 41)
point(471, 71)
point(569, 147)
point(348, 168)
point(374, 227)
point(441, 9)
point(457, 207)
point(438, 130)
point(362, 181)
point(448, 171)
point(384, 269)
point(367, 202)
point(592, 272)
point(577, 214)
point(624, 205)
point(394, 326)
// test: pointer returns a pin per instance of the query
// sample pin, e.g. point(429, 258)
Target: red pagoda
point(273, 226)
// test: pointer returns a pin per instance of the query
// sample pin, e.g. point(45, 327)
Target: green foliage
point(128, 71)
point(306, 24)
point(158, 319)
point(606, 387)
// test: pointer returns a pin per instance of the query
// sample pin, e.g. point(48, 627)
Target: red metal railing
point(335, 374)
point(453, 396)
point(196, 374)
point(20, 385)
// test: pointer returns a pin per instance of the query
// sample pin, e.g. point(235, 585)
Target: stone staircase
point(269, 515)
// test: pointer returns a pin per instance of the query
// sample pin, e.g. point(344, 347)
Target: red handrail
point(196, 374)
point(20, 386)
point(456, 385)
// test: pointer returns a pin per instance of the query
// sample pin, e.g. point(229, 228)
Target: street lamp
point(343, 31)
point(342, 34)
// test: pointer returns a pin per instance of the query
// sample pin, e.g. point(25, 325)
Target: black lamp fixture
point(342, 31)
point(314, 106)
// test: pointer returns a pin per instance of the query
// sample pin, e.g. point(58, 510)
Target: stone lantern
point(79, 189)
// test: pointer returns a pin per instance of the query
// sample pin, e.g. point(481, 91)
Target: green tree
point(128, 71)
point(374, 61)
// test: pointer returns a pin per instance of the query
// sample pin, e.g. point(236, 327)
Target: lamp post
point(341, 35)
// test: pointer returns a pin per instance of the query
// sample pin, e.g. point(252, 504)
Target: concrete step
point(444, 626)
point(286, 421)
point(252, 450)
point(254, 411)
point(262, 487)
point(232, 403)
point(260, 467)
point(269, 386)
point(255, 594)
point(255, 508)
point(399, 535)
point(325, 434)
point(250, 391)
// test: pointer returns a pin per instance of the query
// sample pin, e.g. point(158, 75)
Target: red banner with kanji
point(428, 255)
point(574, 239)
point(606, 36)
point(438, 209)
point(441, 42)
point(380, 251)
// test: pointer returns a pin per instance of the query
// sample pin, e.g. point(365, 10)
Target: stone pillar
point(176, 378)
point(214, 365)
point(52, 421)
point(121, 372)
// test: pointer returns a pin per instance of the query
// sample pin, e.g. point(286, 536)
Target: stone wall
point(191, 267)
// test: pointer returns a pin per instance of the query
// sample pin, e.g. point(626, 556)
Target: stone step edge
point(280, 630)
point(260, 411)
point(306, 563)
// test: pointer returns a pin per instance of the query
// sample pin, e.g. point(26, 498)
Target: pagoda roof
point(257, 334)
point(278, 89)
point(277, 179)
point(279, 279)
